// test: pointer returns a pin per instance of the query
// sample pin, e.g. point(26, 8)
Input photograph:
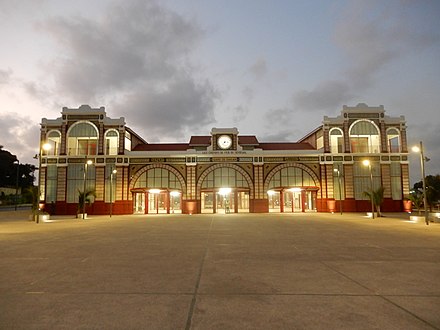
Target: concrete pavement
point(233, 271)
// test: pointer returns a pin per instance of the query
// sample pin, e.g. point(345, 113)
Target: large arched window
point(364, 137)
point(111, 142)
point(336, 140)
point(225, 177)
point(393, 140)
point(291, 177)
point(54, 139)
point(158, 178)
point(82, 139)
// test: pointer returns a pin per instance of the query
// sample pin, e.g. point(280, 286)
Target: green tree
point(432, 189)
point(8, 171)
point(377, 197)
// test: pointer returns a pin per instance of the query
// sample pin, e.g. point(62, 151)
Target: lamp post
point(422, 166)
point(338, 173)
point(87, 162)
point(16, 182)
point(113, 172)
point(45, 147)
point(366, 162)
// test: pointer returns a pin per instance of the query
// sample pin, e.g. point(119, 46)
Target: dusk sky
point(177, 68)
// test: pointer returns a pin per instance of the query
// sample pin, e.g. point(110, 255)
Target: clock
point(224, 141)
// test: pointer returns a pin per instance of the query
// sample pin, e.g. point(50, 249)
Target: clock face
point(224, 141)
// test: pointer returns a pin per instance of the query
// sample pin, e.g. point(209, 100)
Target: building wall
point(256, 166)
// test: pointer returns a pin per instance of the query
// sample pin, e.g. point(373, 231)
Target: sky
point(176, 68)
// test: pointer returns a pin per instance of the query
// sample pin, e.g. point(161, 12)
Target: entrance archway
point(225, 188)
point(291, 188)
point(157, 189)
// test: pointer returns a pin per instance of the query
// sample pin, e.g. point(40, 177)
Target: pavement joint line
point(226, 294)
point(382, 296)
point(199, 276)
point(409, 312)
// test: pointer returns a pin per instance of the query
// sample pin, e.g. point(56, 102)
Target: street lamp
point(422, 166)
point(46, 147)
point(338, 173)
point(86, 165)
point(16, 182)
point(366, 162)
point(113, 172)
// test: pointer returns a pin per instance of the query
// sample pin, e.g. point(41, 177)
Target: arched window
point(82, 139)
point(291, 177)
point(393, 140)
point(225, 177)
point(159, 178)
point(336, 140)
point(364, 137)
point(111, 142)
point(54, 139)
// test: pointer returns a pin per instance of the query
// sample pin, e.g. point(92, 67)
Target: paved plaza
point(222, 271)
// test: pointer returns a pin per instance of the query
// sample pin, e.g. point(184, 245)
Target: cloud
point(259, 69)
point(278, 136)
point(240, 113)
point(326, 95)
point(278, 124)
point(374, 34)
point(248, 94)
point(131, 43)
point(36, 91)
point(137, 56)
point(170, 110)
point(5, 76)
point(19, 133)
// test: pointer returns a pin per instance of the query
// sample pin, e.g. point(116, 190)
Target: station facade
point(223, 171)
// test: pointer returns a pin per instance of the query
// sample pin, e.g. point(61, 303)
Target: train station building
point(223, 171)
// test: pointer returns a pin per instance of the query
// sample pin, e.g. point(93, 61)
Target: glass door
point(274, 200)
point(207, 202)
point(157, 202)
point(243, 201)
point(139, 203)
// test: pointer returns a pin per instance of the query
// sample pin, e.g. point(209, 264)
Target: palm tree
point(377, 197)
point(32, 192)
point(83, 199)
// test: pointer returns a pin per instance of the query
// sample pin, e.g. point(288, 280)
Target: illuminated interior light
point(224, 191)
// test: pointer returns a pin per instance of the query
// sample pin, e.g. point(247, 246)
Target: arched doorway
point(157, 189)
point(225, 189)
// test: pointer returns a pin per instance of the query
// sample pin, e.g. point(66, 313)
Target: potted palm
point(377, 197)
point(37, 214)
point(84, 198)
point(416, 199)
